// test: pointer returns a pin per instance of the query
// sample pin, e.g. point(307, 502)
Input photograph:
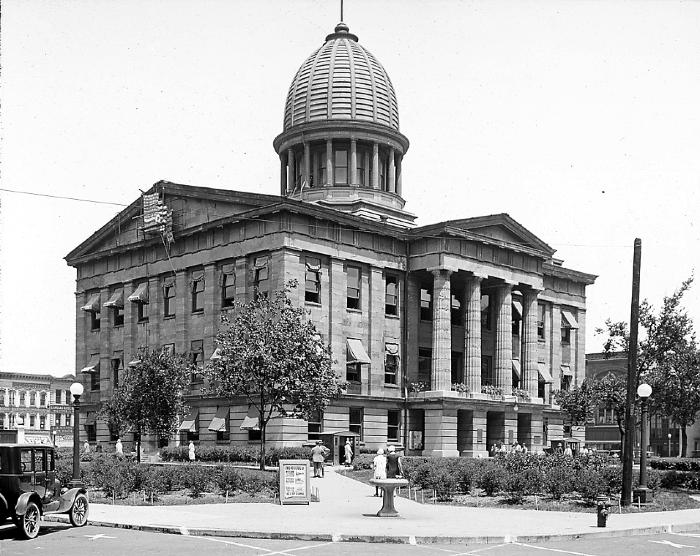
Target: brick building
point(40, 403)
point(451, 336)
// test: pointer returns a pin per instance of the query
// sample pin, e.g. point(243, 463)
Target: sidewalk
point(346, 512)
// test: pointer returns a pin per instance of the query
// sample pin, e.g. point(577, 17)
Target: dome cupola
point(341, 145)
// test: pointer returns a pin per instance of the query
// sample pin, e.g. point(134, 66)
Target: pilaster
point(182, 310)
point(412, 307)
point(376, 330)
point(580, 353)
point(337, 304)
point(442, 332)
point(212, 308)
point(440, 433)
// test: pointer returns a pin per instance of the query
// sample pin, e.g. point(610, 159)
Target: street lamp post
point(642, 492)
point(76, 389)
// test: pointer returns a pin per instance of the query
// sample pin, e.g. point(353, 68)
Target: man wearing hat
point(393, 464)
point(318, 457)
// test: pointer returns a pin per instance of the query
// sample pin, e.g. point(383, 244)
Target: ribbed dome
point(341, 81)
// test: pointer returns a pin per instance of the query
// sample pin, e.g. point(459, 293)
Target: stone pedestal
point(388, 486)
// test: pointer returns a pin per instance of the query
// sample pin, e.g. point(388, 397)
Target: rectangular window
point(197, 292)
point(32, 398)
point(42, 422)
point(391, 295)
point(456, 311)
point(197, 359)
point(261, 276)
point(169, 298)
point(142, 311)
point(361, 179)
point(94, 320)
point(566, 335)
point(315, 425)
point(42, 399)
point(353, 372)
point(254, 435)
point(224, 435)
point(383, 172)
point(228, 286)
point(393, 425)
point(95, 380)
point(92, 307)
point(68, 397)
point(2, 422)
point(117, 364)
point(426, 304)
point(22, 398)
point(140, 298)
point(391, 368)
point(356, 420)
point(59, 396)
point(32, 421)
point(425, 363)
point(169, 349)
point(12, 397)
point(91, 431)
point(340, 168)
point(312, 284)
point(565, 382)
point(353, 290)
point(486, 311)
point(118, 316)
point(487, 370)
point(540, 322)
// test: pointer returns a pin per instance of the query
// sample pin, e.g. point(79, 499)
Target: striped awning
point(544, 373)
point(218, 423)
point(516, 367)
point(189, 423)
point(250, 424)
point(356, 351)
point(569, 320)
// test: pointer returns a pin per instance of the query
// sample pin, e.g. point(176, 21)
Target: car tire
point(29, 523)
point(78, 513)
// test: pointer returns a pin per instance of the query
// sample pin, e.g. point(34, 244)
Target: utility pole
point(628, 454)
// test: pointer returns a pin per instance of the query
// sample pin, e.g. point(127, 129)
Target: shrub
point(115, 476)
point(151, 480)
point(492, 480)
point(363, 461)
point(557, 481)
point(196, 479)
point(589, 484)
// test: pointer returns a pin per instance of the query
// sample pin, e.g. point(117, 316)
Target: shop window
point(356, 421)
point(169, 298)
point(197, 291)
point(353, 288)
point(425, 363)
point(393, 425)
point(426, 303)
point(391, 295)
point(315, 425)
point(312, 283)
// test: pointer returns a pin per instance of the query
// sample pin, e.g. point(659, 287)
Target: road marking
point(673, 544)
point(479, 550)
point(211, 539)
point(289, 550)
point(560, 551)
point(98, 536)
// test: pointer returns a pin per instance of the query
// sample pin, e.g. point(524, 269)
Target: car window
point(52, 464)
point(26, 460)
point(39, 460)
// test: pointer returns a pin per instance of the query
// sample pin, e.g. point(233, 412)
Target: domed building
point(450, 336)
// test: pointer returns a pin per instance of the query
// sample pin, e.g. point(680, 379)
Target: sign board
point(294, 481)
point(415, 440)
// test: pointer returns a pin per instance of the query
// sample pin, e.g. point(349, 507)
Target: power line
point(62, 197)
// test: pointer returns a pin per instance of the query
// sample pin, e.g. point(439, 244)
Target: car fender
point(4, 507)
point(68, 497)
point(23, 502)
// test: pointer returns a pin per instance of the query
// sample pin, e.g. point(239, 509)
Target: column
point(375, 166)
point(580, 351)
point(316, 178)
point(440, 433)
point(329, 163)
point(399, 188)
point(367, 169)
point(472, 334)
point(81, 298)
point(353, 163)
point(528, 359)
point(555, 336)
point(392, 172)
point(283, 175)
point(442, 329)
point(503, 363)
point(307, 166)
point(291, 183)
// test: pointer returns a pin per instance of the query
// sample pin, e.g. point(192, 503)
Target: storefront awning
point(516, 367)
point(189, 423)
point(93, 366)
point(392, 349)
point(117, 299)
point(140, 295)
point(93, 304)
point(250, 424)
point(218, 423)
point(566, 370)
point(356, 352)
point(544, 373)
point(569, 320)
point(517, 310)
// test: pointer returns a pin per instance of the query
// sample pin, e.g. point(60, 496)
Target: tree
point(610, 392)
point(150, 396)
point(667, 358)
point(577, 403)
point(272, 355)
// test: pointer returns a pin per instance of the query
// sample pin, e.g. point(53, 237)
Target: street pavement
point(346, 512)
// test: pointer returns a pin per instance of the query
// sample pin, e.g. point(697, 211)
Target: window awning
point(356, 352)
point(516, 367)
point(140, 295)
point(117, 299)
point(189, 423)
point(517, 310)
point(93, 304)
point(250, 424)
point(216, 355)
point(93, 366)
point(544, 373)
point(218, 423)
point(566, 370)
point(569, 320)
point(392, 349)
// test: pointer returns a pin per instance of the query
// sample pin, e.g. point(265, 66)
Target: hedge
point(239, 454)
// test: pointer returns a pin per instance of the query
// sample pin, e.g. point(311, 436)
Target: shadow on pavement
point(8, 531)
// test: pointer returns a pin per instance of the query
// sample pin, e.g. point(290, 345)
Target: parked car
point(29, 489)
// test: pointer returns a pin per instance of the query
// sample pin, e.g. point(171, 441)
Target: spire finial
point(341, 10)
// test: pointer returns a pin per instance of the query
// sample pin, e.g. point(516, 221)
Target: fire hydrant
point(603, 506)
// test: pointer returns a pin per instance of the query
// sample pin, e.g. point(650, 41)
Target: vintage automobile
point(29, 489)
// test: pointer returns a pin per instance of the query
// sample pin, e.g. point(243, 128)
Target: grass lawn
point(663, 500)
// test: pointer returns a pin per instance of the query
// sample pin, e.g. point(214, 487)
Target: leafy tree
point(610, 392)
point(577, 403)
point(150, 396)
point(272, 355)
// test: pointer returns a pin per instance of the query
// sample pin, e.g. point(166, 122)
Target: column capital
point(437, 270)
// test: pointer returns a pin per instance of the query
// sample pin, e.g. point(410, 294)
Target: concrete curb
point(391, 539)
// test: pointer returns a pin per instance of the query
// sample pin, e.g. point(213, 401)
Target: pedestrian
point(584, 450)
point(318, 457)
point(503, 449)
point(118, 448)
point(517, 448)
point(524, 448)
point(379, 466)
point(86, 447)
point(191, 450)
point(348, 453)
point(559, 449)
point(568, 452)
point(394, 467)
point(493, 450)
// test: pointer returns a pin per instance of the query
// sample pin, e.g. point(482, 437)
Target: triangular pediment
point(190, 207)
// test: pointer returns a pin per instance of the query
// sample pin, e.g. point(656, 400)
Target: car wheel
point(29, 522)
point(78, 514)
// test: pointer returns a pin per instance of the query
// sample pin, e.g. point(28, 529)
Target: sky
point(580, 119)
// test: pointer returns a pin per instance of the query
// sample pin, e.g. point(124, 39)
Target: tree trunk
point(138, 447)
point(262, 446)
point(622, 445)
point(684, 442)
